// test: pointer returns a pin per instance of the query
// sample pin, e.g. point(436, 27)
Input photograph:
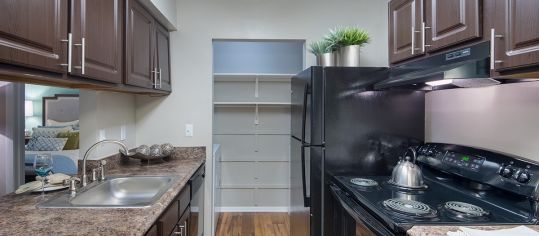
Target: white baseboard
point(251, 209)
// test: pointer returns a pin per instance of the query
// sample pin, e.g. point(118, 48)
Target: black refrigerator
point(341, 126)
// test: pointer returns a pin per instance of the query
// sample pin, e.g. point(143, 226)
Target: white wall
point(500, 118)
point(168, 9)
point(163, 119)
point(109, 112)
point(164, 11)
point(6, 138)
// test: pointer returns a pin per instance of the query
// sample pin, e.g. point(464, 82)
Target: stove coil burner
point(409, 208)
point(465, 211)
point(364, 182)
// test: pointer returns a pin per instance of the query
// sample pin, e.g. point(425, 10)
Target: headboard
point(61, 107)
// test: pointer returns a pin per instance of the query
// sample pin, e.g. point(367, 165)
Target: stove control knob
point(523, 177)
point(506, 171)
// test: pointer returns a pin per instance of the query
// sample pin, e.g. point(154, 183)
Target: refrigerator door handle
point(304, 115)
point(306, 199)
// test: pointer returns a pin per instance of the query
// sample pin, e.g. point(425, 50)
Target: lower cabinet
point(182, 226)
point(173, 221)
point(178, 219)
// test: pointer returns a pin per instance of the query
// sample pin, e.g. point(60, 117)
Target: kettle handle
point(414, 153)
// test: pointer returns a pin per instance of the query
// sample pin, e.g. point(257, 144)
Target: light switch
point(188, 130)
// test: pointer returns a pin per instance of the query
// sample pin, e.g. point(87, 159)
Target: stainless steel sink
point(116, 192)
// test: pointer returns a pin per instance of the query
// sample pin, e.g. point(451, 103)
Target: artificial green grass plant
point(346, 36)
point(320, 47)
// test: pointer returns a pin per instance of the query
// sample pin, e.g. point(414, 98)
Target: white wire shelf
point(223, 77)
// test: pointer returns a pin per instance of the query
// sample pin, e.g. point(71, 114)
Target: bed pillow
point(50, 122)
point(72, 139)
point(46, 144)
point(49, 132)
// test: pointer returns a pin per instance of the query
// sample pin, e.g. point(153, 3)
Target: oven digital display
point(463, 161)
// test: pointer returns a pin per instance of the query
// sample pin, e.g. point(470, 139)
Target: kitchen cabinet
point(153, 231)
point(169, 221)
point(182, 226)
point(184, 215)
point(405, 22)
point(147, 49)
point(420, 27)
point(162, 57)
point(515, 36)
point(97, 34)
point(82, 44)
point(196, 218)
point(450, 22)
point(33, 34)
point(139, 46)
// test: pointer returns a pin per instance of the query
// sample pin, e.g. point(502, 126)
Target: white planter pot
point(349, 56)
point(326, 59)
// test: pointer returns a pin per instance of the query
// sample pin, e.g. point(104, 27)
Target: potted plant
point(323, 50)
point(348, 41)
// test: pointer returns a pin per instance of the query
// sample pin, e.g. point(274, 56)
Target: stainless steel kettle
point(406, 174)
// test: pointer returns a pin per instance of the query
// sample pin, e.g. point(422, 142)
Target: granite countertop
point(442, 230)
point(19, 215)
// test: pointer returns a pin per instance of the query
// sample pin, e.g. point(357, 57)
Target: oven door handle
point(358, 213)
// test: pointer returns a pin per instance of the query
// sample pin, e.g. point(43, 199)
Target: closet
point(251, 100)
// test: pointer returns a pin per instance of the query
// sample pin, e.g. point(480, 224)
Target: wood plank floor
point(253, 224)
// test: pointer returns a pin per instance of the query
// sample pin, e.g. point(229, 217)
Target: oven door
point(347, 218)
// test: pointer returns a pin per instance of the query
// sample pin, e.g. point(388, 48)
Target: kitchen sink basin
point(116, 192)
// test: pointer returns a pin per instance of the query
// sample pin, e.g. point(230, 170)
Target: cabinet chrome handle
point(69, 41)
point(413, 40)
point(160, 78)
point(424, 37)
point(82, 44)
point(83, 55)
point(154, 77)
point(493, 37)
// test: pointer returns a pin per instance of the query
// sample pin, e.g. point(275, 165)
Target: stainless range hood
point(466, 67)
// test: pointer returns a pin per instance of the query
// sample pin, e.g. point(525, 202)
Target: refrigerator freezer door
point(299, 182)
point(301, 105)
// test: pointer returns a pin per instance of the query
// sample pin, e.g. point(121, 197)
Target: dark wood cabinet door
point(100, 24)
point(405, 19)
point(452, 22)
point(518, 25)
point(152, 231)
point(139, 46)
point(31, 33)
point(162, 49)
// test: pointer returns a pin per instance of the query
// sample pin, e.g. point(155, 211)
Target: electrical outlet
point(188, 130)
point(102, 135)
point(123, 132)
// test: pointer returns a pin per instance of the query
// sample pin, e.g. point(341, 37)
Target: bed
point(60, 110)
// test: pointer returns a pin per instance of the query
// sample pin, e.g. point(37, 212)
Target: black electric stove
point(466, 186)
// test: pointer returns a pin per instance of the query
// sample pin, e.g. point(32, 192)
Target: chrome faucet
point(84, 176)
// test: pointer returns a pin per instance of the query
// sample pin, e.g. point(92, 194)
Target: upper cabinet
point(420, 27)
point(405, 32)
point(97, 34)
point(515, 35)
point(103, 44)
point(34, 34)
point(450, 22)
point(147, 49)
point(139, 45)
point(162, 58)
